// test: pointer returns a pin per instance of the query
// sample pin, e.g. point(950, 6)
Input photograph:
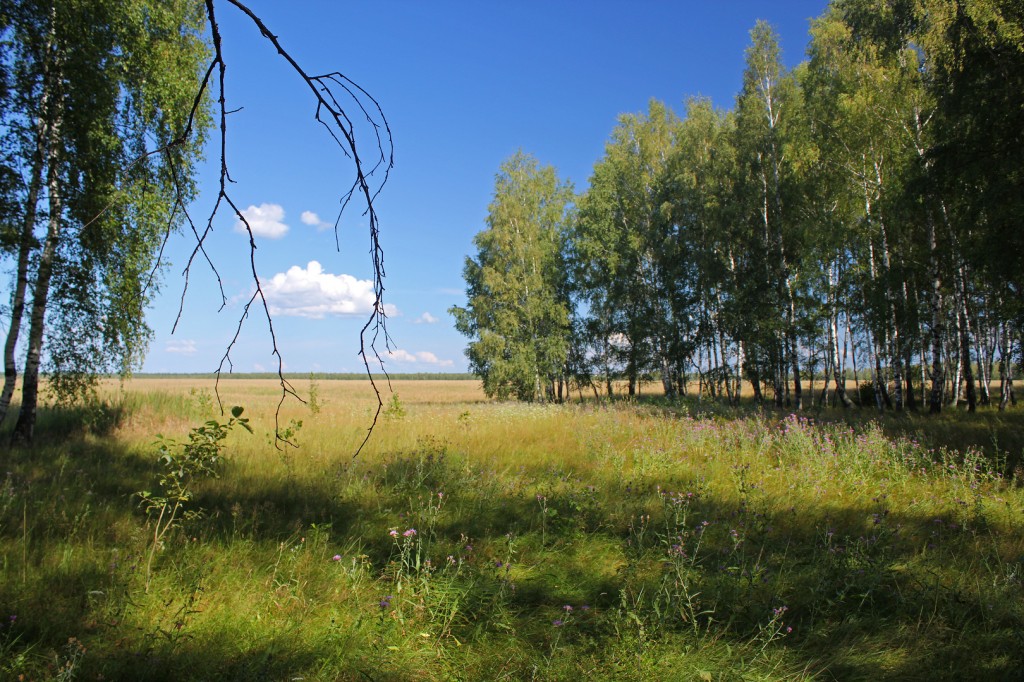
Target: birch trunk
point(938, 376)
point(24, 429)
point(1005, 368)
point(25, 249)
point(26, 246)
point(965, 342)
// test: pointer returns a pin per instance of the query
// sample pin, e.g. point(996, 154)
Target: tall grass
point(476, 540)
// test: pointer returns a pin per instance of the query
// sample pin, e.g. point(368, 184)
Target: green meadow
point(477, 540)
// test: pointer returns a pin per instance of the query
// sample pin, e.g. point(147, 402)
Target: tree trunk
point(794, 357)
point(983, 346)
point(25, 248)
point(853, 360)
point(876, 375)
point(965, 343)
point(938, 376)
point(841, 394)
point(755, 384)
point(24, 429)
point(1005, 368)
point(952, 352)
point(911, 399)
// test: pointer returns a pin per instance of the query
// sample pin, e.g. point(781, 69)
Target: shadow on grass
point(997, 434)
point(872, 592)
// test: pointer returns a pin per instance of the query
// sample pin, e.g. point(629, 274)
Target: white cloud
point(311, 292)
point(423, 357)
point(312, 219)
point(265, 221)
point(425, 318)
point(182, 346)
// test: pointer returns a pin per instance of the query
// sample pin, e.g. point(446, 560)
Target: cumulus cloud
point(313, 220)
point(310, 292)
point(265, 221)
point(425, 318)
point(181, 346)
point(423, 357)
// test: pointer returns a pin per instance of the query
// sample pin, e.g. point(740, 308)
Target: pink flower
point(409, 533)
point(336, 557)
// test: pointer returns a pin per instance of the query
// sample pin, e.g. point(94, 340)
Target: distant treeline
point(317, 376)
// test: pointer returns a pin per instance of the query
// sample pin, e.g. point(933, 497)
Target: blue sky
point(463, 85)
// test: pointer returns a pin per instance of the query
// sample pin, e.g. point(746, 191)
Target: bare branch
point(331, 114)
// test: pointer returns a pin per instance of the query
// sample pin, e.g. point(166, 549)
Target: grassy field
point(476, 540)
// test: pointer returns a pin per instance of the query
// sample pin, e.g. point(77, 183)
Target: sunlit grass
point(480, 540)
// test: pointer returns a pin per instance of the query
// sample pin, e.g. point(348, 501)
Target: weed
point(395, 411)
point(314, 402)
point(202, 400)
point(183, 464)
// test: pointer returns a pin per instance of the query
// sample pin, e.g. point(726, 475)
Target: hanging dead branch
point(332, 93)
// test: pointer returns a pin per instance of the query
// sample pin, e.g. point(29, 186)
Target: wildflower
point(585, 607)
point(567, 608)
point(558, 622)
point(385, 603)
point(393, 533)
point(336, 557)
point(409, 533)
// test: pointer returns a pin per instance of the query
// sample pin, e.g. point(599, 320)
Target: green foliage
point(395, 409)
point(183, 465)
point(517, 316)
point(97, 111)
point(314, 401)
point(621, 254)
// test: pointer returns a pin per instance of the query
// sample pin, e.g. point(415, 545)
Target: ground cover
point(478, 540)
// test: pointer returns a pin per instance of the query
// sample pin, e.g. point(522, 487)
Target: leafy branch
point(183, 464)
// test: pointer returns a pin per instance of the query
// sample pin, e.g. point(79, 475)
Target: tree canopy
point(856, 217)
point(517, 314)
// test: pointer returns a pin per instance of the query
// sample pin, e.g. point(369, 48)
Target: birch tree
point(517, 316)
point(767, 111)
point(627, 286)
point(94, 88)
